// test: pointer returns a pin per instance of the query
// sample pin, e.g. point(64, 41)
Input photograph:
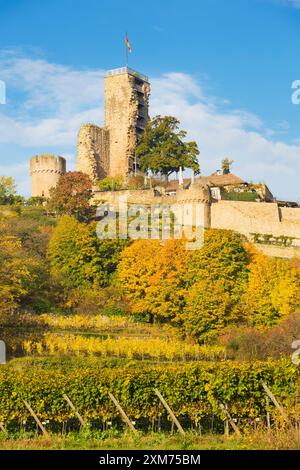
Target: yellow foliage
point(151, 275)
point(131, 348)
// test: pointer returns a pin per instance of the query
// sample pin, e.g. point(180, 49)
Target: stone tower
point(93, 151)
point(126, 94)
point(109, 151)
point(45, 171)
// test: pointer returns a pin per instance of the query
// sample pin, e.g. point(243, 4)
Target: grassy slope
point(283, 440)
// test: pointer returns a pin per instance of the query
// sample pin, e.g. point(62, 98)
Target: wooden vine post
point(171, 413)
point(274, 400)
point(38, 422)
point(228, 416)
point(71, 405)
point(122, 413)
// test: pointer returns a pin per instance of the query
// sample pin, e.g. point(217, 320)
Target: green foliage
point(31, 230)
point(78, 258)
point(162, 148)
point(240, 196)
point(111, 183)
point(191, 390)
point(226, 165)
point(208, 309)
point(222, 257)
point(36, 201)
point(7, 190)
point(217, 272)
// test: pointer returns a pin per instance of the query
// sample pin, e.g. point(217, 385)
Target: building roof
point(213, 180)
point(221, 180)
point(173, 185)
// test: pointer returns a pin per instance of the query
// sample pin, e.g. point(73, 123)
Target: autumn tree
point(72, 195)
point(273, 290)
point(18, 274)
point(162, 148)
point(151, 276)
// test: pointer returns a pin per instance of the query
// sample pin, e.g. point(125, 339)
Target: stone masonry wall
point(243, 217)
point(45, 171)
point(261, 218)
point(93, 151)
point(121, 117)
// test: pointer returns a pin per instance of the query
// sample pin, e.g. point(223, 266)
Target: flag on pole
point(128, 43)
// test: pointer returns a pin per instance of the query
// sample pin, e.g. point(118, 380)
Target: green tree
point(162, 148)
point(78, 258)
point(215, 280)
point(222, 257)
point(7, 190)
point(111, 183)
point(208, 309)
point(72, 195)
point(226, 165)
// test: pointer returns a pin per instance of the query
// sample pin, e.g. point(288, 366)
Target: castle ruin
point(45, 171)
point(273, 226)
point(110, 151)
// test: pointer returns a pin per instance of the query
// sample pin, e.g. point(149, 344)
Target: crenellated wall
point(45, 171)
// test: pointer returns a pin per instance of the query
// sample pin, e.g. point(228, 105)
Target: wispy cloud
point(291, 3)
point(50, 102)
point(47, 102)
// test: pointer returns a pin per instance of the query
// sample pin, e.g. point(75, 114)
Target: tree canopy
point(72, 195)
point(162, 148)
point(7, 190)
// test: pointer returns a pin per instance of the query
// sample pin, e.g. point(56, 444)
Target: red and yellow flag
point(128, 43)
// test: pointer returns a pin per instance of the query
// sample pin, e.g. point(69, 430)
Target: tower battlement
point(45, 171)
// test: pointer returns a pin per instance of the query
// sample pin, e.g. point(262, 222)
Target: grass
point(280, 440)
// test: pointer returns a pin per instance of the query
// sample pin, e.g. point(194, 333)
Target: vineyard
point(193, 390)
point(122, 347)
point(95, 356)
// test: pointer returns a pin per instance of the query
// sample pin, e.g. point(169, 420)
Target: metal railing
point(121, 70)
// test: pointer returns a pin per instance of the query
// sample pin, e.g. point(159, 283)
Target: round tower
point(45, 171)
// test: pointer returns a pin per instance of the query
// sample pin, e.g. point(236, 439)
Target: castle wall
point(254, 217)
point(140, 196)
point(93, 151)
point(45, 171)
point(260, 218)
point(247, 218)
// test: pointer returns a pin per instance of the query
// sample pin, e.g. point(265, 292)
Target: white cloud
point(54, 100)
point(237, 134)
point(293, 3)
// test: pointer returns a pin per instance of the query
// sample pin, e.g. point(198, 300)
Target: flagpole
point(126, 50)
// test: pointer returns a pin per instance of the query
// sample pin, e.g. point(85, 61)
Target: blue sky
point(224, 67)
